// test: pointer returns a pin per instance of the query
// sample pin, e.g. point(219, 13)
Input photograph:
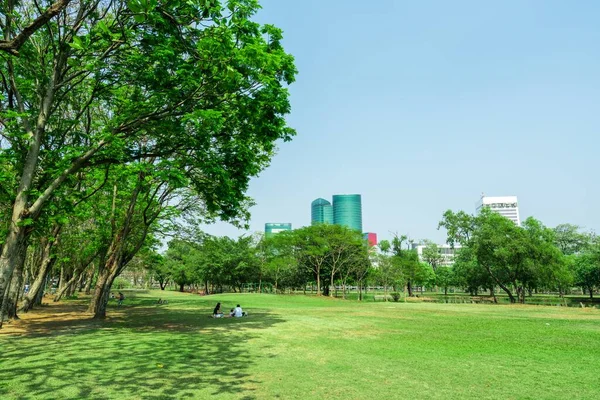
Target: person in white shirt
point(237, 312)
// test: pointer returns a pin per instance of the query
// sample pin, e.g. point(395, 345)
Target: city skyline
point(440, 106)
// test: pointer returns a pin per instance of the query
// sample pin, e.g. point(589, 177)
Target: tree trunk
point(16, 289)
point(385, 292)
point(409, 288)
point(61, 279)
point(4, 305)
point(81, 282)
point(502, 286)
point(70, 286)
point(331, 285)
point(89, 279)
point(12, 256)
point(591, 290)
point(181, 287)
point(318, 282)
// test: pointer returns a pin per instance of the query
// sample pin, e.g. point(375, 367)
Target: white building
point(445, 250)
point(507, 206)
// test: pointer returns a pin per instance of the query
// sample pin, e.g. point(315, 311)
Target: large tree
point(194, 85)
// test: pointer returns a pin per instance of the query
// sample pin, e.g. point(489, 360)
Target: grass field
point(296, 347)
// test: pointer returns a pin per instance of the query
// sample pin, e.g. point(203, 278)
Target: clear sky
point(420, 106)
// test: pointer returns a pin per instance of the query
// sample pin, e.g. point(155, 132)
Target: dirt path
point(50, 318)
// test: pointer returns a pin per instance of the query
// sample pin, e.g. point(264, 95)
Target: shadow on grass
point(142, 352)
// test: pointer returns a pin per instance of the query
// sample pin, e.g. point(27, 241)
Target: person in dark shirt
point(217, 311)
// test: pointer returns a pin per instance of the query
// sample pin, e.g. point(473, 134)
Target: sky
point(421, 106)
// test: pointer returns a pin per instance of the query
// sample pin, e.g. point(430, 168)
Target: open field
point(296, 347)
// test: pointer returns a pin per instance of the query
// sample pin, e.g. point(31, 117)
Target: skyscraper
point(507, 206)
point(347, 210)
point(272, 228)
point(321, 212)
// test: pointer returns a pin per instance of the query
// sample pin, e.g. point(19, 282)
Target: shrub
point(121, 283)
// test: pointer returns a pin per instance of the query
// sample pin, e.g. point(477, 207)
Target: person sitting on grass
point(120, 299)
point(238, 312)
point(217, 311)
point(231, 312)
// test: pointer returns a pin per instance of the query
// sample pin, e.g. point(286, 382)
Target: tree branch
point(12, 46)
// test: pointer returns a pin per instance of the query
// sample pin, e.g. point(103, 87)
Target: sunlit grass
point(297, 347)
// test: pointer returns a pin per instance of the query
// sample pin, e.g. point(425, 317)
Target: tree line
point(495, 254)
point(120, 119)
point(323, 257)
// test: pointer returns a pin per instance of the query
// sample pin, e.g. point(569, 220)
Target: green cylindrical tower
point(321, 212)
point(347, 210)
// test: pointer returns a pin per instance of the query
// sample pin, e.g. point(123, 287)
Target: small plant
point(396, 296)
point(121, 283)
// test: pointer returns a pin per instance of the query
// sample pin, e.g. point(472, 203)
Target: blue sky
point(420, 106)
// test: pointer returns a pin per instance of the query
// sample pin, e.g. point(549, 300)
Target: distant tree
point(311, 251)
point(444, 278)
point(388, 272)
point(432, 254)
point(570, 240)
point(586, 268)
point(181, 260)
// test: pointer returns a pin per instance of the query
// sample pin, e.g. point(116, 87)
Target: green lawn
point(296, 347)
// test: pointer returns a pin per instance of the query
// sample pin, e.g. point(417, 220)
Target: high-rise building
point(347, 210)
point(507, 206)
point(371, 238)
point(272, 228)
point(321, 212)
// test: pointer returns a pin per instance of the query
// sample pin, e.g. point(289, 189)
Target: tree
point(311, 251)
point(432, 255)
point(586, 268)
point(181, 262)
point(444, 277)
point(388, 272)
point(569, 240)
point(516, 259)
point(195, 86)
point(346, 247)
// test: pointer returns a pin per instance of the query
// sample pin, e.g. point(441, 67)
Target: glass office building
point(321, 212)
point(347, 210)
point(272, 228)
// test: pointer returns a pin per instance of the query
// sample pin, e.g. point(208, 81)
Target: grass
point(301, 347)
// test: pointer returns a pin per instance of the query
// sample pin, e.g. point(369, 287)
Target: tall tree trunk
point(16, 289)
point(331, 285)
point(69, 287)
point(181, 285)
point(81, 282)
point(409, 288)
point(318, 282)
point(89, 279)
point(502, 286)
point(11, 258)
point(591, 290)
point(61, 279)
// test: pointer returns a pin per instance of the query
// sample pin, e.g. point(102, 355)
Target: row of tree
point(494, 254)
point(321, 256)
point(119, 118)
point(520, 260)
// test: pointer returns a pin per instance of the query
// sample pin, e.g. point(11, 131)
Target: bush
point(396, 296)
point(121, 283)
